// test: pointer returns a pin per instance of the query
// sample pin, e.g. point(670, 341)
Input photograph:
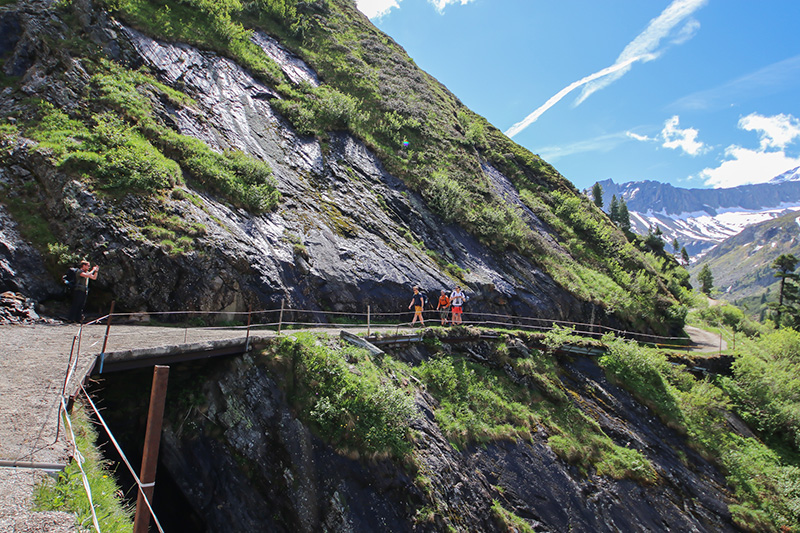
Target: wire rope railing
point(283, 318)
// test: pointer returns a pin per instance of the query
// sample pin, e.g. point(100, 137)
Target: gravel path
point(33, 365)
point(705, 341)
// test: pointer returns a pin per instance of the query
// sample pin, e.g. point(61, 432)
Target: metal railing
point(279, 320)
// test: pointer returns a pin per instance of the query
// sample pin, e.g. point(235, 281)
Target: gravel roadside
point(33, 365)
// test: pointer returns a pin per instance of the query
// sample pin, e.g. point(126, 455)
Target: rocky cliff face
point(346, 235)
point(244, 462)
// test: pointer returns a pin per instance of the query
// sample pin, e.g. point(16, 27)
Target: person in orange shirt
point(443, 307)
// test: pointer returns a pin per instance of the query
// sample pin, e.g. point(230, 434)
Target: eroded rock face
point(338, 241)
point(244, 462)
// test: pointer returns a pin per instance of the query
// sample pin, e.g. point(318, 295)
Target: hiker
point(457, 301)
point(81, 289)
point(418, 302)
point(443, 307)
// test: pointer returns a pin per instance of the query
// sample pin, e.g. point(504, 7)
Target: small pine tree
point(675, 245)
point(613, 209)
point(785, 265)
point(623, 217)
point(684, 256)
point(597, 195)
point(706, 280)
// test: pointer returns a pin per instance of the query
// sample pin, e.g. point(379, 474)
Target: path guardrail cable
point(139, 483)
point(79, 459)
point(386, 319)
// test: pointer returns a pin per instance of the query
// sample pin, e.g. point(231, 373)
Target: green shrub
point(245, 181)
point(475, 404)
point(766, 385)
point(767, 489)
point(447, 197)
point(357, 410)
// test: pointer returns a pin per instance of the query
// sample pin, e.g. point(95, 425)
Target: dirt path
point(33, 366)
point(705, 341)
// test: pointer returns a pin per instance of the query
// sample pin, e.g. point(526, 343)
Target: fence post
point(247, 337)
point(108, 326)
point(280, 318)
point(368, 322)
point(152, 441)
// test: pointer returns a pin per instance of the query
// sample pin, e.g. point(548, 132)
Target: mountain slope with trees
point(742, 265)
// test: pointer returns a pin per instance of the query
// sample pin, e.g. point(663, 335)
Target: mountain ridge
point(701, 218)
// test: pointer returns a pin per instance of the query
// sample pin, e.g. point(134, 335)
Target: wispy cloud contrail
point(642, 48)
point(533, 117)
point(648, 41)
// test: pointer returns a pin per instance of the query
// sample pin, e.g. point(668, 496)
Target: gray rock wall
point(339, 241)
point(244, 462)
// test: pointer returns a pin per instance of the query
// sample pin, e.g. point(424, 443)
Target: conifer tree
point(623, 217)
point(785, 265)
point(597, 195)
point(613, 209)
point(684, 256)
point(706, 280)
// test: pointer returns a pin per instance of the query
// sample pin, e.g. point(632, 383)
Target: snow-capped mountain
point(702, 218)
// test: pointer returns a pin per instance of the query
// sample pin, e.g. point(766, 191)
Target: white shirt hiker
point(457, 298)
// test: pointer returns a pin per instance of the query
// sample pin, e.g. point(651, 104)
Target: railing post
point(280, 317)
point(64, 388)
point(247, 337)
point(152, 441)
point(108, 327)
point(368, 322)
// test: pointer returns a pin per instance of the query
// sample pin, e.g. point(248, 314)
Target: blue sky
point(696, 93)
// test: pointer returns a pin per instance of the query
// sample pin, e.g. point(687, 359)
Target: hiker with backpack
point(443, 307)
point(457, 299)
point(78, 281)
point(418, 302)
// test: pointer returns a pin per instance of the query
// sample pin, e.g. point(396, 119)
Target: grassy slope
point(367, 411)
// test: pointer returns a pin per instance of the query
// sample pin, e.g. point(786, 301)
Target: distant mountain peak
point(702, 218)
point(789, 175)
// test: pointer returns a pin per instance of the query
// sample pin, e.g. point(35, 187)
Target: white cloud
point(637, 137)
point(776, 132)
point(603, 143)
point(688, 31)
point(748, 166)
point(745, 165)
point(376, 8)
point(441, 4)
point(680, 138)
point(674, 137)
point(646, 43)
